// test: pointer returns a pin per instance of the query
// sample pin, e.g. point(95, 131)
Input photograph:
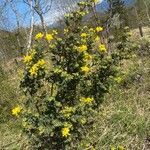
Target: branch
point(31, 27)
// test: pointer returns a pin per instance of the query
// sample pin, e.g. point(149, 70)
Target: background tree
point(142, 11)
point(117, 16)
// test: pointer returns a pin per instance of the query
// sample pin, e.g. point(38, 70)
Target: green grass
point(123, 120)
point(124, 117)
point(9, 92)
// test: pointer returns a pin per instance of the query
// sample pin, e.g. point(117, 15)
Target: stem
point(52, 89)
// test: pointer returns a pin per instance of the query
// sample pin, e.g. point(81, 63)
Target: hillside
point(82, 83)
point(103, 6)
point(123, 120)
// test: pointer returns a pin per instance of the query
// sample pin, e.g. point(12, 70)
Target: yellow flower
point(93, 148)
point(112, 148)
point(97, 38)
point(66, 31)
point(65, 131)
point(81, 13)
point(121, 147)
point(49, 37)
point(82, 48)
point(98, 29)
point(34, 70)
point(39, 36)
point(87, 56)
point(67, 15)
point(55, 32)
point(85, 69)
point(118, 79)
point(102, 48)
point(87, 100)
point(95, 1)
point(32, 52)
point(84, 35)
point(16, 111)
point(27, 59)
point(41, 63)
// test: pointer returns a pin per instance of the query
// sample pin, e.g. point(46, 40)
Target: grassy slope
point(124, 118)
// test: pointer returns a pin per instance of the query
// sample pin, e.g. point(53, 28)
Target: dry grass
point(123, 118)
point(136, 34)
point(124, 115)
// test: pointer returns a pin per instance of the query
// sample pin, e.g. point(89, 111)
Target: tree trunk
point(139, 22)
point(29, 42)
point(146, 9)
point(43, 23)
point(141, 31)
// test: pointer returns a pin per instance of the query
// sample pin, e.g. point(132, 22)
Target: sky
point(9, 17)
point(24, 15)
point(56, 12)
point(51, 17)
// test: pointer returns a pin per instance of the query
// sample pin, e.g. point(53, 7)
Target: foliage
point(117, 18)
point(142, 7)
point(117, 7)
point(59, 101)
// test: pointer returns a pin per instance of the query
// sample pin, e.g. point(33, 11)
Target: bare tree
point(41, 7)
point(13, 7)
point(29, 41)
point(139, 22)
point(147, 10)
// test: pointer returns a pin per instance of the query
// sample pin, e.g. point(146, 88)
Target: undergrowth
point(123, 120)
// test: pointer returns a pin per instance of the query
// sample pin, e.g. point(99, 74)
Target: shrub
point(59, 100)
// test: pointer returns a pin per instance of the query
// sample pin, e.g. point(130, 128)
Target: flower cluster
point(82, 48)
point(27, 59)
point(16, 111)
point(98, 29)
point(85, 69)
point(87, 100)
point(65, 132)
point(36, 67)
point(48, 37)
point(39, 36)
point(102, 48)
